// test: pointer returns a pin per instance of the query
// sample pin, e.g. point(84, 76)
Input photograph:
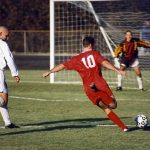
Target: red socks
point(113, 117)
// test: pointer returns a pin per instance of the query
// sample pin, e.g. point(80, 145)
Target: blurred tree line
point(34, 14)
point(25, 14)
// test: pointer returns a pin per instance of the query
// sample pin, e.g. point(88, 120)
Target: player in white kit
point(6, 59)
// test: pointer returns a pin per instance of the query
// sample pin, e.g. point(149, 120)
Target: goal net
point(106, 21)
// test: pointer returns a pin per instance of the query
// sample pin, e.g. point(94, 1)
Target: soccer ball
point(141, 121)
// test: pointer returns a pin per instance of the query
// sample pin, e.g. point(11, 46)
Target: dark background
point(33, 15)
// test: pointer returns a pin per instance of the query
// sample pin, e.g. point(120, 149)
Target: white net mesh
point(75, 19)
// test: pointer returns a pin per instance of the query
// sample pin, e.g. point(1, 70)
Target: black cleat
point(142, 90)
point(11, 126)
point(119, 88)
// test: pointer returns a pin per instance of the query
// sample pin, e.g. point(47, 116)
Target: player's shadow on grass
point(133, 129)
point(82, 120)
point(48, 129)
point(136, 128)
point(147, 128)
point(43, 126)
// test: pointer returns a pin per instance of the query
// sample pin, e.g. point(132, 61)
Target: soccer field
point(60, 117)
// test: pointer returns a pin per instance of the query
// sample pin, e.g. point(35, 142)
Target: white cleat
point(125, 130)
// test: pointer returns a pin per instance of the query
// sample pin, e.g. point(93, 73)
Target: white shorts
point(3, 85)
point(134, 64)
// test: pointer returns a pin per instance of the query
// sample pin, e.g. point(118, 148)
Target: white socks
point(5, 115)
point(120, 80)
point(140, 82)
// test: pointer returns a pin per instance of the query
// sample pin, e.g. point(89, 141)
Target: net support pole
point(107, 41)
point(101, 28)
point(52, 38)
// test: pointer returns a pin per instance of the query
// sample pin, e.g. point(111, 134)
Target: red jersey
point(88, 65)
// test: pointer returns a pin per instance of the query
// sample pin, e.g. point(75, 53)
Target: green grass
point(69, 124)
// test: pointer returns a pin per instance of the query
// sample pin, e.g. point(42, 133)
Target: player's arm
point(55, 69)
point(110, 66)
point(117, 51)
point(10, 61)
point(141, 43)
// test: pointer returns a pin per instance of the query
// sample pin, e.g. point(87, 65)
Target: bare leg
point(111, 115)
point(4, 96)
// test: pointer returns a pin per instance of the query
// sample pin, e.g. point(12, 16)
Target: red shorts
point(104, 94)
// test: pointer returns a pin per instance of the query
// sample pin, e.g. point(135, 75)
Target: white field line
point(75, 83)
point(46, 100)
point(99, 125)
point(61, 100)
point(43, 82)
point(71, 82)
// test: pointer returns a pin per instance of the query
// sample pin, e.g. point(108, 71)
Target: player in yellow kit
point(127, 52)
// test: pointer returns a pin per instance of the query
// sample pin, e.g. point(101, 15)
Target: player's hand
point(46, 74)
point(17, 78)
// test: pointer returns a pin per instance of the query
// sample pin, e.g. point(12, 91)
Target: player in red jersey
point(88, 65)
point(128, 53)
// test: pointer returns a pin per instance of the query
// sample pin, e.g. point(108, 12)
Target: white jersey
point(6, 58)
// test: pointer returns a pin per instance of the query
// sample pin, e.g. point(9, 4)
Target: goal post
point(106, 21)
point(101, 28)
point(89, 8)
point(52, 38)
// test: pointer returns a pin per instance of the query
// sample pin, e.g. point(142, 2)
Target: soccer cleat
point(119, 88)
point(11, 126)
point(125, 130)
point(142, 90)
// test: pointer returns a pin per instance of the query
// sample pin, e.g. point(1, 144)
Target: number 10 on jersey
point(89, 61)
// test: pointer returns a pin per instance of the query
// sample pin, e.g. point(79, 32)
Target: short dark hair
point(128, 31)
point(88, 40)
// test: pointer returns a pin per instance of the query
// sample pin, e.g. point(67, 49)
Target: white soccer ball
point(141, 121)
